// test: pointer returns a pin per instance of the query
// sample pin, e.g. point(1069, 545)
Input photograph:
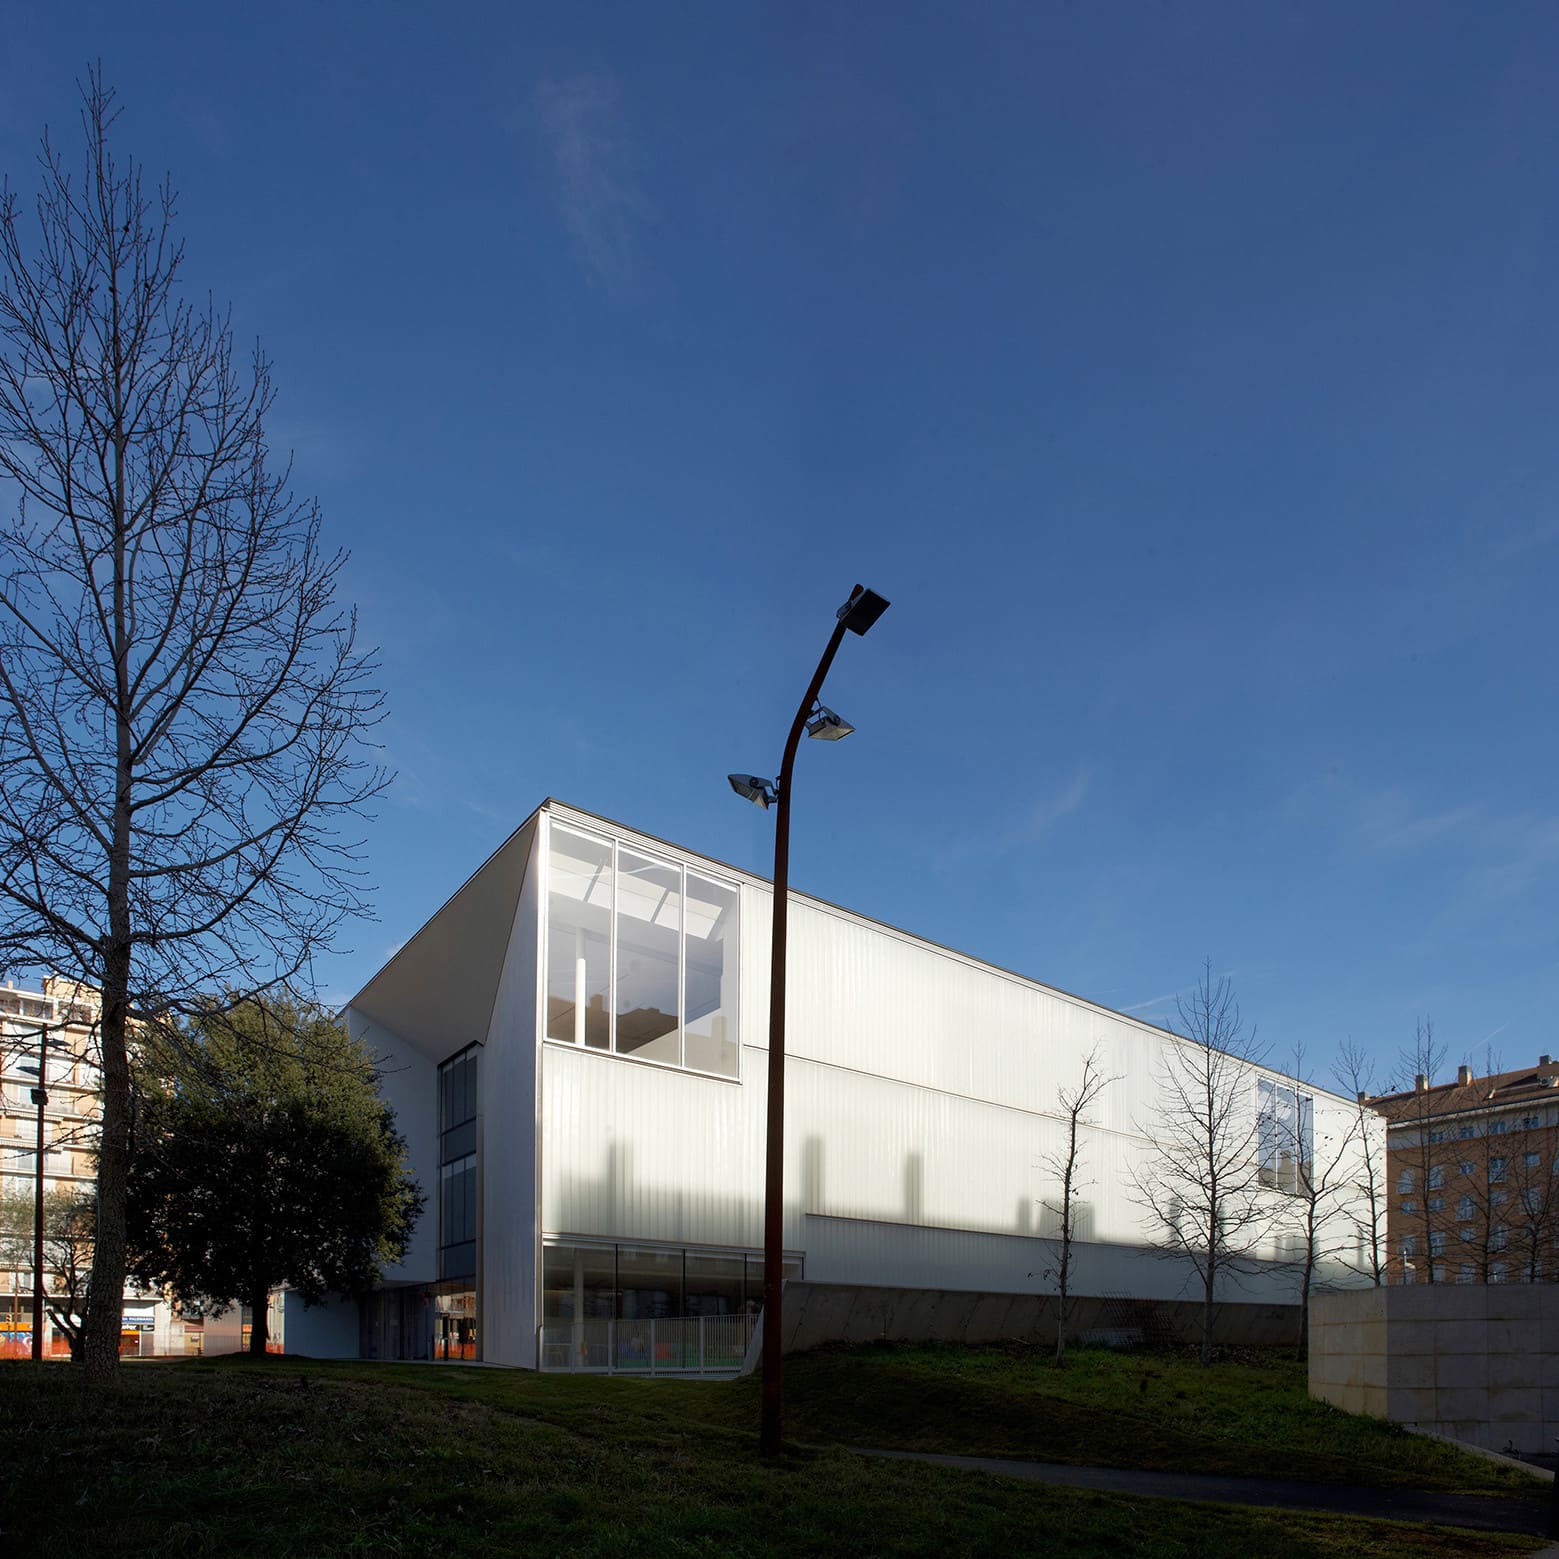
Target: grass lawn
point(1252, 1416)
point(288, 1457)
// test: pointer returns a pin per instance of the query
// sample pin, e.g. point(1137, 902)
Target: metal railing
point(673, 1345)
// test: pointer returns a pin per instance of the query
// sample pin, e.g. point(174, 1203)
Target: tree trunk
point(1208, 1284)
point(258, 1316)
point(1302, 1352)
point(1066, 1257)
point(101, 1326)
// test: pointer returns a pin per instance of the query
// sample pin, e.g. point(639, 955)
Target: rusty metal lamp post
point(857, 614)
point(40, 1097)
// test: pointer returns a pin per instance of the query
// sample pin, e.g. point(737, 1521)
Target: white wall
point(921, 1101)
point(408, 1082)
point(506, 1102)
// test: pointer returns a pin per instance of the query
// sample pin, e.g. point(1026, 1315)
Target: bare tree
point(183, 707)
point(1199, 1188)
point(1313, 1168)
point(1355, 1076)
point(1421, 1153)
point(1067, 1167)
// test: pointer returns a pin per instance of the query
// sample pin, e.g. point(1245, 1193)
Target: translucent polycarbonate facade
point(615, 989)
point(641, 955)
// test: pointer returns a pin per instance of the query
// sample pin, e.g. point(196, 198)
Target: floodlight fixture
point(826, 726)
point(862, 609)
point(753, 788)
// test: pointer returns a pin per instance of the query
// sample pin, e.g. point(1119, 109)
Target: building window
point(1464, 1207)
point(1406, 1181)
point(1531, 1122)
point(1531, 1160)
point(457, 1094)
point(1409, 1246)
point(1436, 1204)
point(1437, 1242)
point(1436, 1176)
point(1439, 1273)
point(1468, 1233)
point(1437, 1136)
point(1409, 1204)
point(1498, 1237)
point(1466, 1273)
point(642, 1283)
point(1466, 1167)
point(1498, 1198)
point(641, 955)
point(1498, 1128)
point(1463, 1132)
point(1496, 1170)
point(1531, 1202)
point(1497, 1272)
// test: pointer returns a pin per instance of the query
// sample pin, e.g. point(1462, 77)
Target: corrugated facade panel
point(507, 1105)
point(922, 1103)
point(639, 1152)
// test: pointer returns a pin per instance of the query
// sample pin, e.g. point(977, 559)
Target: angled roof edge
point(438, 989)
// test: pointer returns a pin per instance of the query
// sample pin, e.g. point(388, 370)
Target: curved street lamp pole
point(857, 614)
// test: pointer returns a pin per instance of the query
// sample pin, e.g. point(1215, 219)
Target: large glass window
point(457, 1089)
point(579, 940)
point(637, 1283)
point(641, 955)
point(710, 980)
point(649, 933)
point(1286, 1136)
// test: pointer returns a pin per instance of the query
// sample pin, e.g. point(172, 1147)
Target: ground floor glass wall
point(582, 1282)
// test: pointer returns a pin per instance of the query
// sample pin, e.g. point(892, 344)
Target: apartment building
point(1473, 1170)
point(55, 1028)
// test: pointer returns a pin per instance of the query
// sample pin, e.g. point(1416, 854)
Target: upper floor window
point(1406, 1181)
point(1466, 1131)
point(1436, 1177)
point(1498, 1128)
point(1531, 1122)
point(641, 955)
point(1497, 1169)
point(1286, 1133)
point(1531, 1160)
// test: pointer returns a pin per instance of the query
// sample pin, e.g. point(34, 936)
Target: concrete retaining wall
point(1477, 1362)
point(847, 1312)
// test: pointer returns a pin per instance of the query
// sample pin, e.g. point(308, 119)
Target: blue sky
point(1185, 375)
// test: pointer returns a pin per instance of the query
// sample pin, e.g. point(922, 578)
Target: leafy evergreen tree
point(262, 1156)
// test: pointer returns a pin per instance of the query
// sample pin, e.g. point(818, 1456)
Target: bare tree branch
point(184, 709)
point(1199, 1189)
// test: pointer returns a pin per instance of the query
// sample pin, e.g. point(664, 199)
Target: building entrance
point(454, 1325)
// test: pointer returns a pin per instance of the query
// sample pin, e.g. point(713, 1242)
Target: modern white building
point(575, 1046)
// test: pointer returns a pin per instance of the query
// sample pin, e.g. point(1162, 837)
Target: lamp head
point(753, 788)
point(862, 609)
point(826, 726)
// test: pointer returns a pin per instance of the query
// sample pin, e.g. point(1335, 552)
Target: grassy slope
point(297, 1459)
point(1251, 1417)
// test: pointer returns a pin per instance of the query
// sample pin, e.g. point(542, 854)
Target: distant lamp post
point(857, 615)
point(40, 1097)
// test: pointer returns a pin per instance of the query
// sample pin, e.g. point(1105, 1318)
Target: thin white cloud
point(1047, 811)
point(604, 208)
point(1148, 1006)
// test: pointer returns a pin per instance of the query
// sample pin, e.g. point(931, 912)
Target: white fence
point(675, 1345)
